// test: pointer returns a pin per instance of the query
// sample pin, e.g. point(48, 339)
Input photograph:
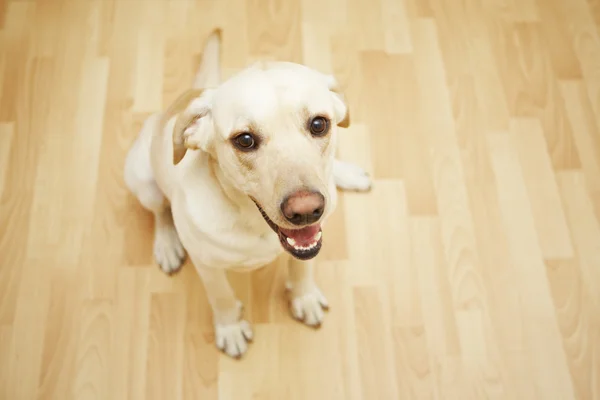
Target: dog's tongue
point(304, 236)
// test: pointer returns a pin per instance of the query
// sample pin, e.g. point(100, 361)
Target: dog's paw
point(168, 250)
point(233, 338)
point(307, 305)
point(350, 176)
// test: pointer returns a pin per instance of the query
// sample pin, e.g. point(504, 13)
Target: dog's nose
point(303, 208)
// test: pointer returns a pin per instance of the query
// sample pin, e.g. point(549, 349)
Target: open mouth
point(302, 243)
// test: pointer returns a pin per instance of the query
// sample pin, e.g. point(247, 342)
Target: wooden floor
point(472, 271)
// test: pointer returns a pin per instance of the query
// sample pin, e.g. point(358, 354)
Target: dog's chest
point(260, 250)
point(217, 235)
point(235, 248)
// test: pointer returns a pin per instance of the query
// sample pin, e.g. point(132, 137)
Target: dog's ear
point(193, 126)
point(340, 106)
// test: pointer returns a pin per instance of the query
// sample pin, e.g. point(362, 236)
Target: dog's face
point(272, 130)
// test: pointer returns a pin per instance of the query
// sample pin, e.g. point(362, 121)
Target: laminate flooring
point(471, 271)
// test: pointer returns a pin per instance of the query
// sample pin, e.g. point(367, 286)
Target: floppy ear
point(342, 112)
point(193, 125)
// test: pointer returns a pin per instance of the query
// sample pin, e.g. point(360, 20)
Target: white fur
point(350, 176)
point(201, 202)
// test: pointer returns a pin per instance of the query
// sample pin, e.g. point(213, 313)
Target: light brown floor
point(472, 271)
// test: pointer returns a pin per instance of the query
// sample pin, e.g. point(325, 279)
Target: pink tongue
point(302, 236)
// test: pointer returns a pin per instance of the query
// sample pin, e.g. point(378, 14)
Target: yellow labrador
point(238, 172)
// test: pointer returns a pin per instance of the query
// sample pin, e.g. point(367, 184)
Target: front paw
point(168, 250)
point(351, 177)
point(233, 338)
point(307, 305)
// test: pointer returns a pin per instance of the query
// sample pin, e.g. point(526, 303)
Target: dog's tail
point(209, 72)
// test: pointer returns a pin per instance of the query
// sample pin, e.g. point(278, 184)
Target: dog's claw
point(351, 177)
point(233, 338)
point(308, 306)
point(168, 250)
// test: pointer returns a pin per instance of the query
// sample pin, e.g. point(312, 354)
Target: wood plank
point(469, 271)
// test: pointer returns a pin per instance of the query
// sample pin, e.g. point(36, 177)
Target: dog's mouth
point(303, 243)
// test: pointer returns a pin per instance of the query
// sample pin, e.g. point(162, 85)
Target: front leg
point(306, 300)
point(232, 332)
point(350, 176)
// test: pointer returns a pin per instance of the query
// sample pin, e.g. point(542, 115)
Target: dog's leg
point(350, 176)
point(306, 300)
point(232, 332)
point(168, 250)
point(139, 178)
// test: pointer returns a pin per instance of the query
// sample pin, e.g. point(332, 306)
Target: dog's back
point(153, 150)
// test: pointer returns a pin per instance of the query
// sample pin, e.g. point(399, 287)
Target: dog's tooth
point(318, 236)
point(291, 242)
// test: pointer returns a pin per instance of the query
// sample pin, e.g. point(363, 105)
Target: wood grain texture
point(471, 271)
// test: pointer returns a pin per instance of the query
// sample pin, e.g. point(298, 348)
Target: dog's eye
point(319, 126)
point(245, 141)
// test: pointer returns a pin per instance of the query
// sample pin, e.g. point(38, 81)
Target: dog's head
point(272, 131)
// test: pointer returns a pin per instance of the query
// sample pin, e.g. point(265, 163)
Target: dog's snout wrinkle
point(303, 207)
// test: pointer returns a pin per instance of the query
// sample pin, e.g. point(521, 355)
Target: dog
point(237, 173)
